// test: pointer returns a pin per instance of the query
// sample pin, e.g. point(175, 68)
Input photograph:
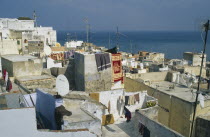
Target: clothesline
point(62, 55)
point(132, 99)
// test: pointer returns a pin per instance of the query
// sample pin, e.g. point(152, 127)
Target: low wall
point(154, 76)
point(156, 129)
point(15, 121)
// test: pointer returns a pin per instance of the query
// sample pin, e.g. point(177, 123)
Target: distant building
point(151, 56)
point(24, 32)
point(194, 59)
point(73, 44)
point(176, 100)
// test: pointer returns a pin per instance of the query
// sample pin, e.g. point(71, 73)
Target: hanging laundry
point(71, 53)
point(123, 98)
point(109, 106)
point(136, 97)
point(117, 67)
point(5, 76)
point(131, 100)
point(126, 100)
point(57, 56)
point(9, 85)
point(102, 61)
point(65, 55)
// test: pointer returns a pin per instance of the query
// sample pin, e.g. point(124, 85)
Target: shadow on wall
point(68, 71)
point(70, 74)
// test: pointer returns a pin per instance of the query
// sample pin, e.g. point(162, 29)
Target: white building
point(25, 30)
point(73, 44)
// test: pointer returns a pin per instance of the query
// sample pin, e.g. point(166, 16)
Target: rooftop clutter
point(121, 94)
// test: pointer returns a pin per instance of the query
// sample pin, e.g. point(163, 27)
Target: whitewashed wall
point(116, 105)
point(12, 23)
point(22, 123)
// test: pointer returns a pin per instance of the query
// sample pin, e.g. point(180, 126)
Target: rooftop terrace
point(179, 91)
point(19, 58)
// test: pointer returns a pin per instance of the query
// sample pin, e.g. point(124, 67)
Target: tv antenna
point(131, 47)
point(205, 26)
point(118, 37)
point(35, 18)
point(109, 44)
point(87, 29)
point(75, 34)
point(68, 37)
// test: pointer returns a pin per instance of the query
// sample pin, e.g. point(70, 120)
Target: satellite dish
point(47, 50)
point(201, 100)
point(62, 85)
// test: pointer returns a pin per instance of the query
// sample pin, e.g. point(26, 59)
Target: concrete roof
point(179, 91)
point(18, 58)
point(78, 115)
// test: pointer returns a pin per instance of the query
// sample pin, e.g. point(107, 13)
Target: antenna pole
point(88, 29)
point(68, 37)
point(206, 26)
point(118, 46)
point(34, 17)
point(75, 36)
point(109, 40)
point(131, 47)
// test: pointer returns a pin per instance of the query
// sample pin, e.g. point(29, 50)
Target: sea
point(172, 43)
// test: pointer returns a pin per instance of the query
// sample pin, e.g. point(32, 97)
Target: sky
point(106, 15)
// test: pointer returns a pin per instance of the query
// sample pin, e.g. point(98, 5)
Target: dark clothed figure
point(59, 113)
point(113, 50)
point(127, 114)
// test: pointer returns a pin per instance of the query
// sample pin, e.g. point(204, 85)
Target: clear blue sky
point(131, 15)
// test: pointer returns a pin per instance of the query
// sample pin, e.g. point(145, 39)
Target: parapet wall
point(87, 77)
point(8, 46)
point(155, 128)
point(20, 120)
